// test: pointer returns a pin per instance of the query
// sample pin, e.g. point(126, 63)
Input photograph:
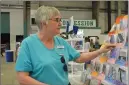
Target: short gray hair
point(44, 13)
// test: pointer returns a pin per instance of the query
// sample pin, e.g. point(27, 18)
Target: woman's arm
point(84, 57)
point(25, 79)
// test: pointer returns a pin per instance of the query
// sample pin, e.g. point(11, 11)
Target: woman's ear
point(43, 24)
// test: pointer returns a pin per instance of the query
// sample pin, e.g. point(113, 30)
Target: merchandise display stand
point(76, 40)
point(75, 69)
point(77, 43)
point(111, 68)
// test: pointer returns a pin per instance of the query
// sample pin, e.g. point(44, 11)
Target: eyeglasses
point(56, 19)
point(63, 61)
point(69, 83)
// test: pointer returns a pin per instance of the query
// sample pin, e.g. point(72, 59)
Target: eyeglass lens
point(63, 61)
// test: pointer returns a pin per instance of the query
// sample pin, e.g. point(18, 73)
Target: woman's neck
point(45, 37)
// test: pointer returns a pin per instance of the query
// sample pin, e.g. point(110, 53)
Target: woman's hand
point(25, 79)
point(85, 57)
point(107, 47)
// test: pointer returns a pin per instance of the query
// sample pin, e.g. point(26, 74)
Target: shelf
point(80, 50)
point(122, 67)
point(76, 78)
point(106, 82)
point(74, 63)
point(74, 43)
point(75, 39)
point(123, 52)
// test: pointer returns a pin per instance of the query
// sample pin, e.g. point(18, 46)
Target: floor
point(8, 74)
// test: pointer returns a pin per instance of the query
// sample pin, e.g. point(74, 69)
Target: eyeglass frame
point(57, 19)
point(62, 59)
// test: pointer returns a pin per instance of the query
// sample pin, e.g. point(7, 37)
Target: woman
point(43, 57)
point(87, 49)
point(17, 50)
point(87, 44)
point(97, 44)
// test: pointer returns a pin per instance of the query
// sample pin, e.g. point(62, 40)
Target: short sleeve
point(72, 52)
point(23, 62)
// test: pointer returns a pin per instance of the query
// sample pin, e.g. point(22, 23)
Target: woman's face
point(54, 25)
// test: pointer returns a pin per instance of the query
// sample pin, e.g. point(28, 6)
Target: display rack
point(78, 44)
point(76, 40)
point(111, 68)
point(75, 69)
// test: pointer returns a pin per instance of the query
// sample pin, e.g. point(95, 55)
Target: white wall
point(67, 3)
point(95, 32)
point(16, 24)
point(92, 32)
point(77, 15)
point(85, 15)
point(103, 21)
point(67, 14)
point(16, 19)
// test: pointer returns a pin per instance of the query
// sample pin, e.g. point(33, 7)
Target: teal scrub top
point(44, 64)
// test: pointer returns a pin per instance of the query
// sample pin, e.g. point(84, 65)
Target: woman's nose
point(60, 23)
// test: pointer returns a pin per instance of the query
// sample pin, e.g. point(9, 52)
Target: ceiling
point(34, 4)
point(12, 2)
point(61, 5)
